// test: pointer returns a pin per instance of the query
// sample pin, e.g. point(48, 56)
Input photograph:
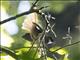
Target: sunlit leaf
point(2, 54)
point(61, 51)
point(48, 58)
point(7, 57)
point(24, 53)
point(6, 39)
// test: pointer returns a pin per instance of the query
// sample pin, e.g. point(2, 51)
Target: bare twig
point(34, 4)
point(67, 46)
point(22, 14)
point(10, 52)
point(14, 17)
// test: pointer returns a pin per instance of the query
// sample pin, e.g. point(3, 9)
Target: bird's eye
point(37, 28)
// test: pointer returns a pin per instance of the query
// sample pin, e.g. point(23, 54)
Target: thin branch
point(60, 47)
point(14, 17)
point(34, 4)
point(22, 14)
point(67, 46)
point(10, 52)
point(43, 7)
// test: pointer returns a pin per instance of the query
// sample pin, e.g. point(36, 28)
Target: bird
point(31, 26)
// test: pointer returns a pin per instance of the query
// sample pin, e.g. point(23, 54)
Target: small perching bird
point(30, 24)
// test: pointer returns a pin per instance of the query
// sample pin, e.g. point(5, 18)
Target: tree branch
point(14, 17)
point(67, 46)
point(10, 52)
point(22, 14)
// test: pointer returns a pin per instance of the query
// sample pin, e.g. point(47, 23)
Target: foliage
point(20, 49)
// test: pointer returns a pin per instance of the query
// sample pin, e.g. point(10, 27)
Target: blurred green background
point(11, 32)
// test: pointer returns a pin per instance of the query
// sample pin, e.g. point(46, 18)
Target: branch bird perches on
point(32, 9)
